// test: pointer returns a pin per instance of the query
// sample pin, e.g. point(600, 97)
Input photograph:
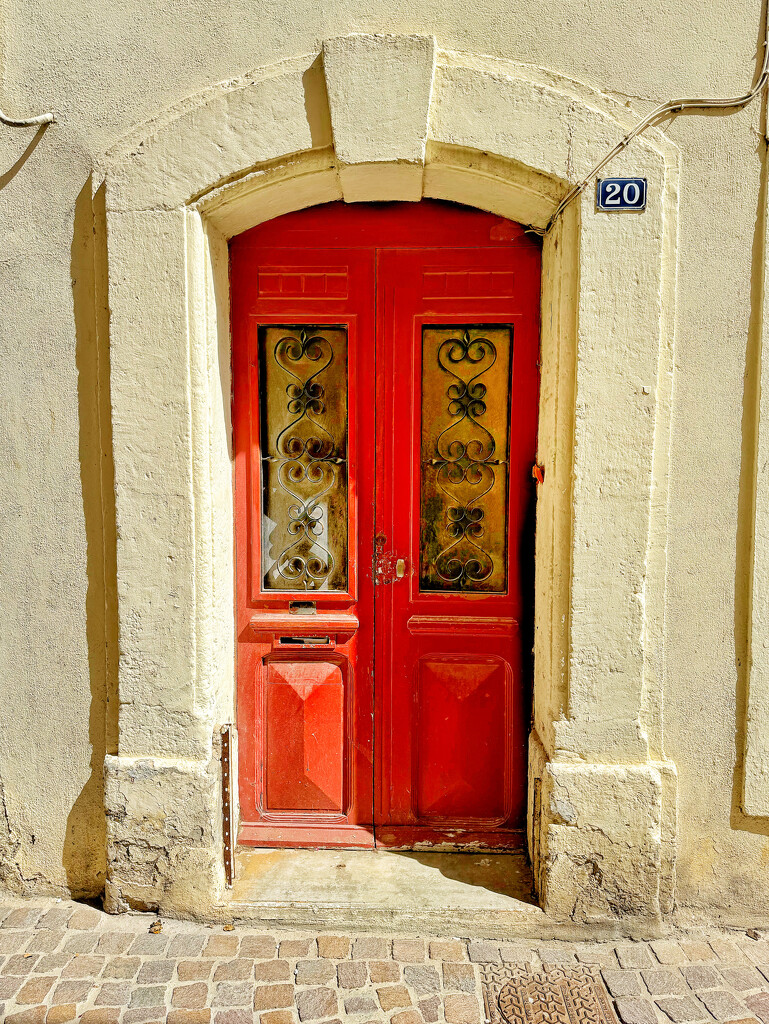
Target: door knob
point(400, 568)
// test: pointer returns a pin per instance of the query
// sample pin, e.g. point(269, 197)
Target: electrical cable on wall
point(26, 122)
point(671, 107)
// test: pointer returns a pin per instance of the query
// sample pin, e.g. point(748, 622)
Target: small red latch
point(538, 472)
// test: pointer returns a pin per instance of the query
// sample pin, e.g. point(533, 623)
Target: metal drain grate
point(552, 994)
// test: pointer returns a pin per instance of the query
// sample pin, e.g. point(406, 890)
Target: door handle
point(400, 568)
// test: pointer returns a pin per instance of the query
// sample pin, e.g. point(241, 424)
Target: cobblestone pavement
point(62, 961)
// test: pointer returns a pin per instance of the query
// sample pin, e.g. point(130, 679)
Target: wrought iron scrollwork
point(466, 463)
point(307, 460)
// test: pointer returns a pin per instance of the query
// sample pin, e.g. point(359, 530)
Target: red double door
point(385, 404)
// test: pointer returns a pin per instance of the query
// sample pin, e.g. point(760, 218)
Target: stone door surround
point(387, 117)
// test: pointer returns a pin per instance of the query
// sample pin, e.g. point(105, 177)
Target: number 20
point(631, 193)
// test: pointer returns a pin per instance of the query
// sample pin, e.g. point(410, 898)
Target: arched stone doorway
point(495, 135)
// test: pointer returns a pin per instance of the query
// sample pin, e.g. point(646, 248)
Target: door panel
point(303, 353)
point(458, 335)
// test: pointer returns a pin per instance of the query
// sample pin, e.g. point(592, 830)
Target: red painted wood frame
point(413, 732)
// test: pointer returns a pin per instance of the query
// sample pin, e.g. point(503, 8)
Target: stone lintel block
point(164, 845)
point(599, 840)
point(379, 89)
point(381, 182)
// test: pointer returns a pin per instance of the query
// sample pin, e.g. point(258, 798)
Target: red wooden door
point(385, 398)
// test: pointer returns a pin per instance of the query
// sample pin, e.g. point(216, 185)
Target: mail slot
point(306, 641)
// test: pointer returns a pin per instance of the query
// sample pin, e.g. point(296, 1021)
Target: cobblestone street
point(62, 961)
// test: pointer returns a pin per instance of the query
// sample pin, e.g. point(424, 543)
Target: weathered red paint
point(416, 732)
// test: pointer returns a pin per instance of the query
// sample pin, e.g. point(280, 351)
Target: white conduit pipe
point(26, 122)
point(671, 107)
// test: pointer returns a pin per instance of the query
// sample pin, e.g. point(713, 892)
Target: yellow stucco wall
point(105, 70)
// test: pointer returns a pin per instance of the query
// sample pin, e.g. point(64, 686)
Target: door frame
point(471, 129)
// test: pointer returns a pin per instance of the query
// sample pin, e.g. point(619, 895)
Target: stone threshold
point(474, 895)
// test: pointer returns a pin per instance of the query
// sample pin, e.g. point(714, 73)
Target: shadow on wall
point(746, 499)
point(85, 855)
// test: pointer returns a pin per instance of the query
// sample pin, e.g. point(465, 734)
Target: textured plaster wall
point(103, 71)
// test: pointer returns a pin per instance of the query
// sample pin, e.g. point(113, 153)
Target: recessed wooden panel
point(305, 736)
point(461, 737)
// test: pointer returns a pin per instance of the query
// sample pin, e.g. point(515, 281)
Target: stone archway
point(393, 117)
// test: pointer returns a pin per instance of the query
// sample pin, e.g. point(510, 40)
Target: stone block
point(314, 972)
point(393, 996)
point(384, 970)
point(515, 953)
point(334, 947)
point(482, 952)
point(352, 974)
point(19, 966)
point(407, 1017)
point(194, 970)
point(360, 1004)
point(273, 997)
point(430, 1009)
point(84, 919)
point(234, 1017)
point(634, 955)
point(186, 945)
point(727, 951)
point(44, 942)
point(121, 967)
point(234, 970)
point(458, 977)
point(222, 945)
point(447, 949)
point(293, 949)
point(272, 970)
point(149, 945)
point(10, 986)
point(35, 990)
point(201, 1016)
point(56, 917)
point(316, 1003)
point(34, 1015)
point(701, 977)
point(258, 947)
point(634, 1010)
point(145, 1015)
point(461, 1009)
point(84, 967)
point(723, 1005)
point(190, 996)
point(367, 75)
point(423, 978)
point(622, 983)
point(743, 979)
point(61, 1014)
point(156, 971)
point(72, 991)
point(409, 950)
point(233, 993)
point(22, 918)
point(163, 826)
point(80, 942)
point(101, 1015)
point(665, 983)
point(151, 995)
point(114, 994)
point(11, 942)
point(114, 942)
point(683, 1009)
point(697, 950)
point(758, 1003)
point(369, 948)
point(276, 1017)
point(668, 952)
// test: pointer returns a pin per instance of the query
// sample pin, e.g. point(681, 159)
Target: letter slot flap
point(306, 641)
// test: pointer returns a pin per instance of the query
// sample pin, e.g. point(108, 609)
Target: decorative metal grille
point(303, 375)
point(465, 432)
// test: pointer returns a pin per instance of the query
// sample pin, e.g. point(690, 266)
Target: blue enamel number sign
point(623, 194)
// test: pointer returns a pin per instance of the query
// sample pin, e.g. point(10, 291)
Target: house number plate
point(613, 194)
